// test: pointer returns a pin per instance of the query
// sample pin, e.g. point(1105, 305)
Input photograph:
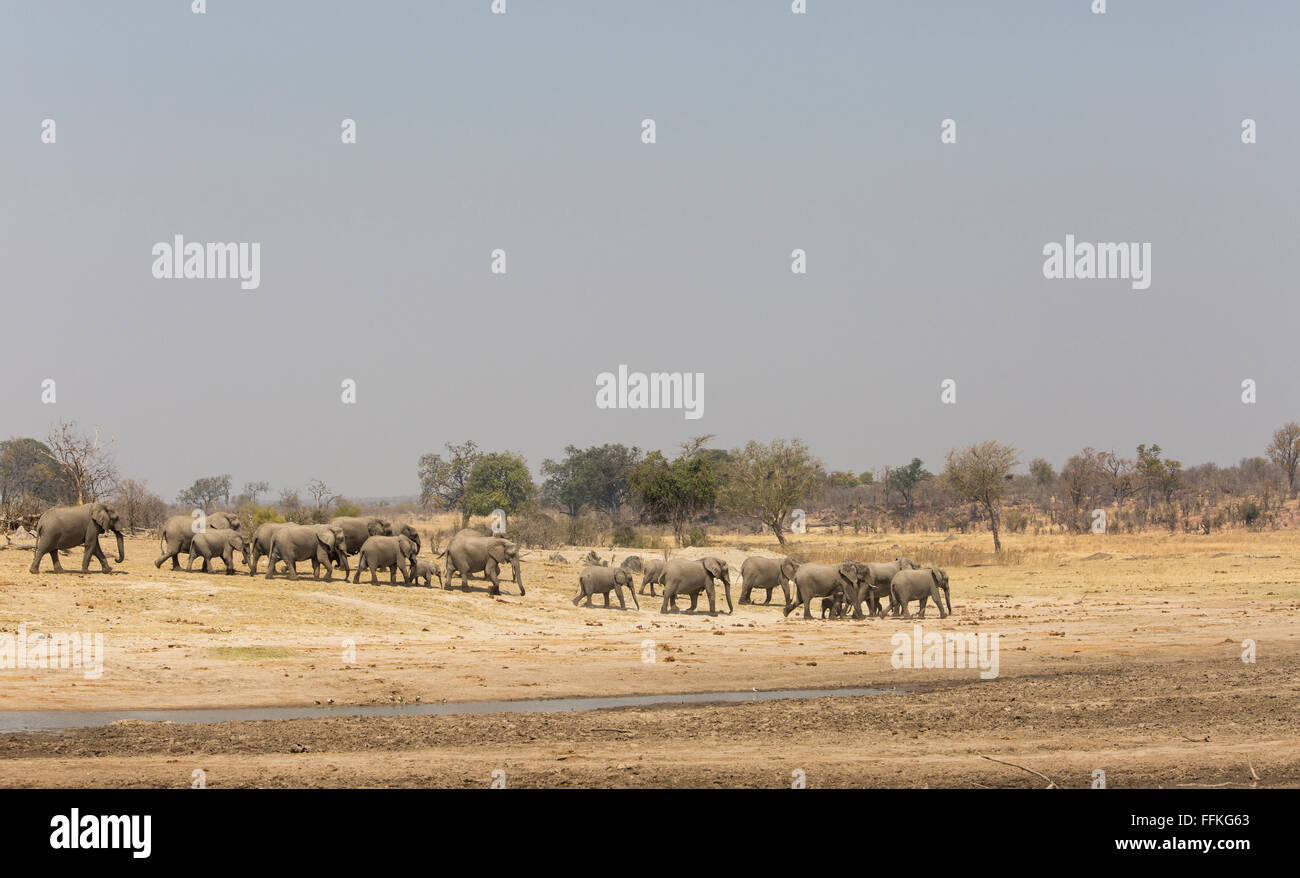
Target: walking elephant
point(471, 552)
point(260, 543)
point(767, 574)
point(65, 527)
point(875, 585)
point(652, 574)
point(599, 580)
point(425, 571)
point(823, 581)
point(686, 577)
point(221, 544)
point(317, 543)
point(836, 605)
point(391, 553)
point(920, 585)
point(178, 530)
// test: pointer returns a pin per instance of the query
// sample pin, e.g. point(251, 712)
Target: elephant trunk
point(514, 566)
point(726, 589)
point(631, 589)
point(121, 547)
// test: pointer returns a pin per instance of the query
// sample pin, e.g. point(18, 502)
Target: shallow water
point(42, 720)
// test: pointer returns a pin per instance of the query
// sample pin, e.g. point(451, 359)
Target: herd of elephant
point(839, 586)
point(371, 539)
point(378, 547)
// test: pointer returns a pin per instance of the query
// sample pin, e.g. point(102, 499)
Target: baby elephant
point(221, 544)
point(425, 571)
point(595, 580)
point(919, 585)
point(836, 605)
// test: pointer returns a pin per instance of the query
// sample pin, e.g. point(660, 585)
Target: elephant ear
point(936, 574)
point(326, 537)
point(405, 546)
point(849, 571)
point(101, 516)
point(714, 566)
point(788, 564)
point(498, 552)
point(375, 528)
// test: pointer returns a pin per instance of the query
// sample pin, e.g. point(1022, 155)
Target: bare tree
point(1284, 451)
point(252, 489)
point(979, 474)
point(86, 458)
point(321, 493)
point(1121, 476)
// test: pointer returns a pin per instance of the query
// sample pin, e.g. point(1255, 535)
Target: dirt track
point(1126, 664)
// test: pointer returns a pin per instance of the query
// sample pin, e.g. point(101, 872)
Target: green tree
point(205, 492)
point(595, 476)
point(905, 480)
point(1042, 472)
point(765, 482)
point(1161, 476)
point(500, 480)
point(30, 477)
point(675, 492)
point(442, 482)
point(979, 474)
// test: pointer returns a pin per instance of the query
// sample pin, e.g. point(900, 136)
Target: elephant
point(218, 543)
point(920, 585)
point(177, 532)
point(632, 563)
point(260, 544)
point(393, 553)
point(766, 573)
point(65, 527)
point(318, 543)
point(426, 571)
point(822, 581)
point(471, 552)
point(875, 585)
point(836, 605)
point(687, 577)
point(357, 530)
point(595, 580)
point(652, 573)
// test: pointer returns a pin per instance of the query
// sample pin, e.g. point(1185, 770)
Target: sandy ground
point(1117, 653)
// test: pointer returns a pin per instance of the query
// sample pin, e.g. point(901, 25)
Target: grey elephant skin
point(260, 543)
point(66, 527)
point(823, 581)
point(470, 552)
point(600, 580)
point(356, 530)
point(767, 574)
point(389, 553)
point(875, 585)
point(835, 606)
point(920, 585)
point(178, 530)
point(425, 572)
point(686, 577)
point(221, 544)
point(318, 543)
point(652, 574)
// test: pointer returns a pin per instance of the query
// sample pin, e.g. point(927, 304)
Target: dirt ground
point(1118, 653)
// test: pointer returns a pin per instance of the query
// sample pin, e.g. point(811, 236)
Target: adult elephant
point(600, 580)
point(358, 529)
point(687, 577)
point(392, 553)
point(65, 527)
point(875, 585)
point(178, 531)
point(221, 544)
point(920, 585)
point(317, 543)
point(823, 581)
point(260, 543)
point(471, 552)
point(766, 573)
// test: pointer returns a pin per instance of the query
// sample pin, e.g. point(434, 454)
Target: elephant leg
point(664, 607)
point(491, 571)
point(618, 592)
point(189, 568)
point(88, 554)
point(361, 565)
point(606, 596)
point(343, 565)
point(745, 588)
point(392, 575)
point(938, 602)
point(713, 603)
point(769, 595)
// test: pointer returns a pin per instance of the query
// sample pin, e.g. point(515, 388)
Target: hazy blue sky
point(522, 131)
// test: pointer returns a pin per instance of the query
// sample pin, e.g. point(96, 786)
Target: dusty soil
point(1117, 653)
